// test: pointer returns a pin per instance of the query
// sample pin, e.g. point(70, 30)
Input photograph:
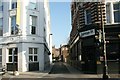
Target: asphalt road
point(59, 68)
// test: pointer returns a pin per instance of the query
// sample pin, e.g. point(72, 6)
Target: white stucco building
point(25, 37)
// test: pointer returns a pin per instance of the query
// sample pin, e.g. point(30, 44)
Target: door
point(12, 64)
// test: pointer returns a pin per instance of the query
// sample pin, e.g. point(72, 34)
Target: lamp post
point(105, 68)
point(50, 47)
point(50, 39)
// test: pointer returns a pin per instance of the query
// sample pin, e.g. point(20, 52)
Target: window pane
point(35, 58)
point(1, 6)
point(10, 58)
point(13, 24)
point(0, 58)
point(13, 21)
point(16, 51)
point(1, 32)
point(116, 6)
point(33, 23)
point(116, 16)
point(30, 20)
point(10, 51)
point(15, 58)
point(33, 20)
point(33, 30)
point(30, 58)
point(88, 16)
point(14, 5)
point(0, 51)
point(1, 22)
point(108, 13)
point(30, 51)
point(35, 50)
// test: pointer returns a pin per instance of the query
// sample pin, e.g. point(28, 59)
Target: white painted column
point(4, 55)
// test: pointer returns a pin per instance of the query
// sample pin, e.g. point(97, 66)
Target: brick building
point(55, 53)
point(64, 52)
point(86, 51)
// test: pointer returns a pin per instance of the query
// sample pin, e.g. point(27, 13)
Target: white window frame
point(112, 21)
point(32, 24)
point(33, 54)
point(115, 11)
point(11, 55)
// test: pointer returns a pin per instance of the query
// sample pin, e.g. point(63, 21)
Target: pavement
point(45, 74)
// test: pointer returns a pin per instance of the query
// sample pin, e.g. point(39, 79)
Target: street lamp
point(105, 68)
point(50, 47)
point(50, 39)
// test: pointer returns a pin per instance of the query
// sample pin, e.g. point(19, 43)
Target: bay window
point(33, 55)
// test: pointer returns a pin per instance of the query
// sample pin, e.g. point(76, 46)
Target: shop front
point(88, 51)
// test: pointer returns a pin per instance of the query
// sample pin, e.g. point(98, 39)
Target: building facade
point(64, 52)
point(86, 48)
point(25, 41)
point(55, 54)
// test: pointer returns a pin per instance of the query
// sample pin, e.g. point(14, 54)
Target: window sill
point(33, 62)
point(111, 23)
point(33, 10)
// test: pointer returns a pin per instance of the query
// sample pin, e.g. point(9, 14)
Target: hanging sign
point(87, 33)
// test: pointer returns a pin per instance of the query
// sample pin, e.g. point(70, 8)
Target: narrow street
point(59, 68)
point(59, 71)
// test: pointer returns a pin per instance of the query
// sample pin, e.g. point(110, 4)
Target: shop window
point(13, 55)
point(33, 57)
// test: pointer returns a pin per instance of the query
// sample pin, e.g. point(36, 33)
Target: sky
point(60, 22)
